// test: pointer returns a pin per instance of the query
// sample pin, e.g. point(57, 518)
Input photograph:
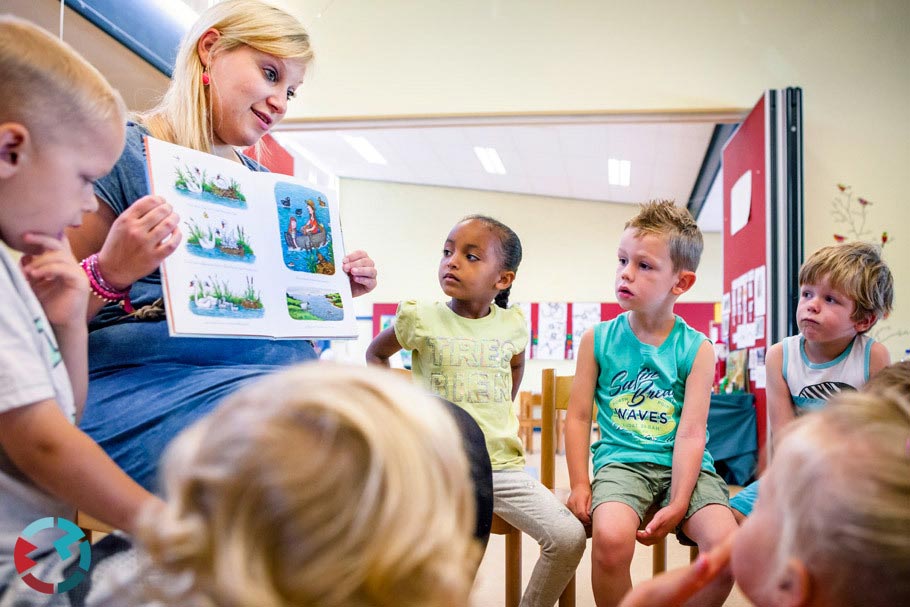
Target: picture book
point(261, 252)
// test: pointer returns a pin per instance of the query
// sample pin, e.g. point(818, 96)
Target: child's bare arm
point(689, 447)
point(879, 358)
point(780, 405)
point(65, 462)
point(383, 347)
point(518, 371)
point(578, 428)
point(62, 289)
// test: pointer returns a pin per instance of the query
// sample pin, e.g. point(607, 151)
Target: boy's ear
point(14, 141)
point(794, 588)
point(506, 278)
point(865, 324)
point(684, 282)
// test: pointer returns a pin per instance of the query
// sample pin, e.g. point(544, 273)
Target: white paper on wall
point(551, 331)
point(740, 202)
point(584, 316)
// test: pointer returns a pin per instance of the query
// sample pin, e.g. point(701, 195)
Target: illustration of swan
point(206, 303)
point(193, 186)
point(221, 182)
point(207, 242)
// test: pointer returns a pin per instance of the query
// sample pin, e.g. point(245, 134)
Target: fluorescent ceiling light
point(363, 147)
point(619, 172)
point(490, 160)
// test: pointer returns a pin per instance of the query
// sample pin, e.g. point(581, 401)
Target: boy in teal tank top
point(650, 375)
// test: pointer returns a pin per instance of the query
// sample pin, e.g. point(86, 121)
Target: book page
point(261, 252)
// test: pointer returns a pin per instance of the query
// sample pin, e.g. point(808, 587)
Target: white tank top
point(811, 384)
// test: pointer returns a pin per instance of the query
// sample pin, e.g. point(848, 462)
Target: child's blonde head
point(48, 87)
point(184, 114)
point(675, 224)
point(318, 486)
point(856, 269)
point(842, 484)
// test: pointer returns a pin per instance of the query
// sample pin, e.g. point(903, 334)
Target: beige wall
point(569, 245)
point(401, 57)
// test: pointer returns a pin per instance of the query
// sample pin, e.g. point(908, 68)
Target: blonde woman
point(235, 73)
point(319, 486)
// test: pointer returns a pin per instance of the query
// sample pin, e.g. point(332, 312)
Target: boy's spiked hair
point(665, 219)
point(858, 270)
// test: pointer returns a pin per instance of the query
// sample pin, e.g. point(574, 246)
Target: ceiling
point(561, 157)
point(556, 160)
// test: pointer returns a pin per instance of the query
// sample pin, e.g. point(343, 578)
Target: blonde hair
point(893, 377)
point(322, 486)
point(47, 84)
point(675, 224)
point(184, 114)
point(857, 269)
point(844, 496)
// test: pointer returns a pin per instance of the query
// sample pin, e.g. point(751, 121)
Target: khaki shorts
point(640, 485)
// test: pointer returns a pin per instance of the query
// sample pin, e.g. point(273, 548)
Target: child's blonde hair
point(48, 87)
point(844, 497)
point(893, 377)
point(320, 486)
point(184, 114)
point(857, 269)
point(674, 223)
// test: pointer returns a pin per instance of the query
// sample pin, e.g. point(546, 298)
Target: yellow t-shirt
point(467, 361)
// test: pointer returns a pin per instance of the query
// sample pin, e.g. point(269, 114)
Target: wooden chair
point(529, 419)
point(555, 392)
point(513, 546)
point(93, 528)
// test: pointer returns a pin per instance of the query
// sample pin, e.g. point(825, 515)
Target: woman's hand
point(361, 271)
point(57, 280)
point(676, 587)
point(138, 241)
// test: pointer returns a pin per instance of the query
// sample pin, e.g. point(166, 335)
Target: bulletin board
point(744, 313)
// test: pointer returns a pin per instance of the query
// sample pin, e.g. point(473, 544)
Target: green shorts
point(641, 485)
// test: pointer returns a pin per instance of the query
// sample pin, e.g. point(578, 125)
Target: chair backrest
point(554, 395)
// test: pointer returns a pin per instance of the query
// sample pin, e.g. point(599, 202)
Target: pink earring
point(205, 78)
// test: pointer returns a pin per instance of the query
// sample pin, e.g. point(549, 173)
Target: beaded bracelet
point(102, 289)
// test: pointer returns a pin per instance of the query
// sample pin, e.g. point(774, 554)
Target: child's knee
point(609, 551)
point(567, 541)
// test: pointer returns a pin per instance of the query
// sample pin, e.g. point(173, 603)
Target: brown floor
point(489, 588)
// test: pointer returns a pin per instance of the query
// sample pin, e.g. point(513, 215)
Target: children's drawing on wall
point(308, 304)
point(551, 324)
point(214, 295)
point(193, 182)
point(214, 238)
point(584, 316)
point(306, 229)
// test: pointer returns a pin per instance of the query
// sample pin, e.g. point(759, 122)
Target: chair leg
point(513, 568)
point(659, 555)
point(567, 598)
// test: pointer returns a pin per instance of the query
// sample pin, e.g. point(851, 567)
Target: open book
point(261, 252)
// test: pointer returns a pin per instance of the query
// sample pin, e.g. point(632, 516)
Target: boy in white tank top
point(843, 290)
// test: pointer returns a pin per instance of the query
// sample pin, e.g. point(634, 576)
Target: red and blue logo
point(72, 536)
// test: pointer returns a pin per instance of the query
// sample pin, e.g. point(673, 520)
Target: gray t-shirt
point(31, 370)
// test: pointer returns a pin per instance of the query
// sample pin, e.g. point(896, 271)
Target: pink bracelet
point(102, 289)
